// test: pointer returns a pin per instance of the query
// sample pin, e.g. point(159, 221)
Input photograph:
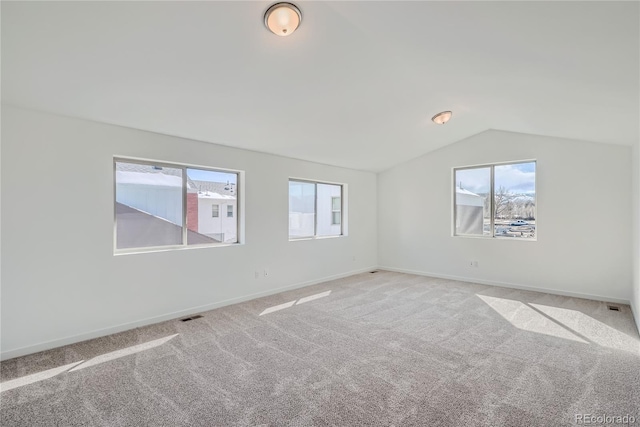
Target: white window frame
point(215, 211)
point(491, 167)
point(161, 163)
point(315, 219)
point(229, 211)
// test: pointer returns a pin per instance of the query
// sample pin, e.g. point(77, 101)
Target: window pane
point(336, 218)
point(515, 200)
point(327, 194)
point(229, 211)
point(149, 208)
point(302, 199)
point(335, 203)
point(206, 191)
point(473, 201)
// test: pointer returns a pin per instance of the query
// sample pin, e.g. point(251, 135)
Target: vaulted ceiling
point(355, 86)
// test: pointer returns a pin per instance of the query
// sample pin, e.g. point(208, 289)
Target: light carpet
point(383, 349)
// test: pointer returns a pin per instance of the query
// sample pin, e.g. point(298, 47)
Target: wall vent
point(613, 307)
point(186, 319)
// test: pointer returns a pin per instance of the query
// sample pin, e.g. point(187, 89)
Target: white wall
point(583, 217)
point(60, 280)
point(635, 226)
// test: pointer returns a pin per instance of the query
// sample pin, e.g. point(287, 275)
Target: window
point(336, 208)
point(315, 209)
point(159, 206)
point(496, 201)
point(229, 211)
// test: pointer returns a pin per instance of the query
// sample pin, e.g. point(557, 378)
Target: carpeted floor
point(371, 349)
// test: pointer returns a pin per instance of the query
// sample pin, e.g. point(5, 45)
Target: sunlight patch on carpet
point(526, 318)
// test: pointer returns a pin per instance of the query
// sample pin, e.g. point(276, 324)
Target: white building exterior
point(328, 223)
point(160, 195)
point(306, 199)
point(222, 227)
point(469, 212)
point(153, 193)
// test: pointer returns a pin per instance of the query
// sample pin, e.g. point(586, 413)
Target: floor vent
point(613, 307)
point(186, 319)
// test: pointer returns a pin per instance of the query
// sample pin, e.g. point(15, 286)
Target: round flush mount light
point(282, 19)
point(442, 118)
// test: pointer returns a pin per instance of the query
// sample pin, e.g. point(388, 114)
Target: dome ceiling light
point(442, 118)
point(282, 19)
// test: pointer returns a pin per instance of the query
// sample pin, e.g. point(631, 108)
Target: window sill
point(315, 238)
point(515, 239)
point(138, 251)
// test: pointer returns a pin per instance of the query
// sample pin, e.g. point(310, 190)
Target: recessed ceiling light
point(282, 19)
point(442, 118)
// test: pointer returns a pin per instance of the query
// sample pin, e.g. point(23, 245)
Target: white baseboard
point(511, 286)
point(636, 314)
point(48, 345)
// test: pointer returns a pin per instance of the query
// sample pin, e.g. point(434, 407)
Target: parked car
point(519, 222)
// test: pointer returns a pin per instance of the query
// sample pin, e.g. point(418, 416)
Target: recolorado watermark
point(604, 419)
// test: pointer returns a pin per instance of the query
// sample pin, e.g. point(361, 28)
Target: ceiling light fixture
point(442, 118)
point(282, 19)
